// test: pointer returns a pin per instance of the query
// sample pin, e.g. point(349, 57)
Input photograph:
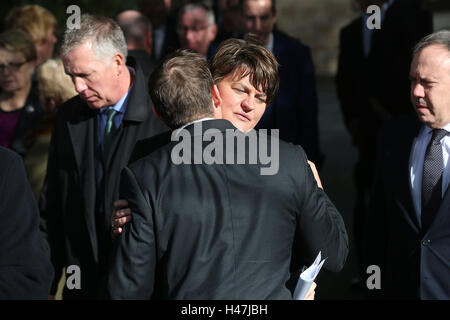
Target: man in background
point(164, 34)
point(372, 85)
point(92, 139)
point(197, 28)
point(407, 231)
point(137, 30)
point(294, 111)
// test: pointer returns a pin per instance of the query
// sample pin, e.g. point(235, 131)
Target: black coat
point(25, 268)
point(221, 231)
point(414, 262)
point(294, 111)
point(78, 234)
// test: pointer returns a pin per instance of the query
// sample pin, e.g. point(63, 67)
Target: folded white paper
point(307, 277)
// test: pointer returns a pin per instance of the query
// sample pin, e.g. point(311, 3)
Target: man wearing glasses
point(197, 28)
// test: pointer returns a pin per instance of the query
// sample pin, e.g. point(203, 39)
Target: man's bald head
point(137, 30)
point(127, 16)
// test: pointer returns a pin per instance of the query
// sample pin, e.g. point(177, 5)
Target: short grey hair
point(104, 33)
point(210, 18)
point(441, 37)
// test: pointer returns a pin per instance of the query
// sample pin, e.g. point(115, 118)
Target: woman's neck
point(14, 100)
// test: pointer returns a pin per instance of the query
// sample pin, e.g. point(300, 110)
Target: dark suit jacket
point(294, 111)
point(220, 231)
point(25, 268)
point(75, 231)
point(144, 60)
point(384, 74)
point(415, 263)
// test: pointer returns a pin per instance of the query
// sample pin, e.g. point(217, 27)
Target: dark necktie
point(110, 130)
point(433, 167)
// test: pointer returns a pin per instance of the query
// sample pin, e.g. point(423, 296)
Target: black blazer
point(415, 263)
point(221, 231)
point(25, 268)
point(74, 229)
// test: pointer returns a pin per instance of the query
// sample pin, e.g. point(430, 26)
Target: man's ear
point(217, 102)
point(274, 17)
point(119, 63)
point(214, 30)
point(157, 114)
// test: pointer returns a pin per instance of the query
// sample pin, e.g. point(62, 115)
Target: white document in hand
point(307, 277)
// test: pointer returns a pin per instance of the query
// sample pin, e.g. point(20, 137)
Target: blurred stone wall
point(317, 24)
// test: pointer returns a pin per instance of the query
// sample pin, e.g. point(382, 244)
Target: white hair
point(103, 33)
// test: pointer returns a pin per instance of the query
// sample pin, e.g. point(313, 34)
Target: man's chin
point(94, 104)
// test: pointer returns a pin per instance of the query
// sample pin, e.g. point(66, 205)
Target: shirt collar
point(269, 45)
point(192, 122)
point(428, 130)
point(121, 105)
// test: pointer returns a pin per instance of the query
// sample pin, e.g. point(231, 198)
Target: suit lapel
point(414, 211)
point(402, 156)
point(443, 215)
point(82, 134)
point(137, 112)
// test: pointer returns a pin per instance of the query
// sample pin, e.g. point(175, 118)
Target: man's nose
point(80, 85)
point(190, 35)
point(257, 24)
point(417, 90)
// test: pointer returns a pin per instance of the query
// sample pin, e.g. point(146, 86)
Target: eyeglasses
point(195, 29)
point(12, 66)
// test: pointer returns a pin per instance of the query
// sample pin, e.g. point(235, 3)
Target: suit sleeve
point(319, 224)
point(132, 265)
point(50, 207)
point(25, 269)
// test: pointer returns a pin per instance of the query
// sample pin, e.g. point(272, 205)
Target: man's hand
point(316, 174)
point(311, 292)
point(120, 216)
